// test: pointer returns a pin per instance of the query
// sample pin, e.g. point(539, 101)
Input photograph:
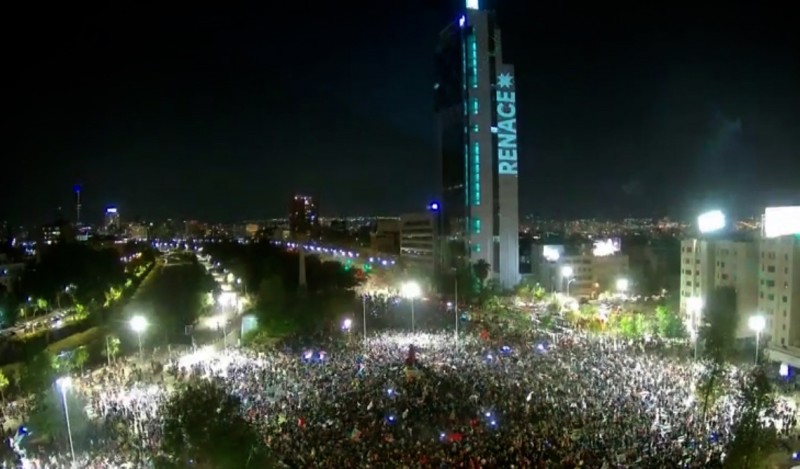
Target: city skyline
point(203, 117)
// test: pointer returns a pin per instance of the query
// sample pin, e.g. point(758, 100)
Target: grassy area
point(76, 340)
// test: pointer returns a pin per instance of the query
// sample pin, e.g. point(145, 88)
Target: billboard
point(552, 252)
point(606, 247)
point(781, 221)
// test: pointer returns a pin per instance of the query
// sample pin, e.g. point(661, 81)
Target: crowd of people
point(426, 400)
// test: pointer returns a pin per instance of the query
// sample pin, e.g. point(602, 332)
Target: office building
point(707, 264)
point(583, 274)
point(386, 237)
point(475, 102)
point(111, 221)
point(138, 231)
point(194, 229)
point(10, 273)
point(303, 217)
point(57, 232)
point(418, 241)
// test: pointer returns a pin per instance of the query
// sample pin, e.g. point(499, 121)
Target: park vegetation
point(282, 306)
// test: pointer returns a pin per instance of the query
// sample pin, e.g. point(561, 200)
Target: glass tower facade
point(475, 102)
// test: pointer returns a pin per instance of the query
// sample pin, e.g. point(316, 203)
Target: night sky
point(223, 113)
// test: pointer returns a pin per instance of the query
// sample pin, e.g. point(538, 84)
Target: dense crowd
point(423, 400)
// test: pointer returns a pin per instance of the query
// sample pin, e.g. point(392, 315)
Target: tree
point(203, 428)
point(644, 326)
point(754, 440)
point(668, 324)
point(47, 415)
point(175, 300)
point(79, 357)
point(9, 308)
point(273, 306)
point(720, 322)
point(39, 372)
point(481, 269)
point(112, 347)
point(710, 385)
point(87, 270)
point(3, 385)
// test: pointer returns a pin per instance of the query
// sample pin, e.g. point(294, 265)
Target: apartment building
point(710, 263)
point(779, 296)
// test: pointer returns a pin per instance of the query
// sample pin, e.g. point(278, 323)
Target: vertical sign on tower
point(506, 110)
point(507, 240)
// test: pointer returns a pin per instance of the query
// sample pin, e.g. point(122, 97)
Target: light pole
point(64, 383)
point(222, 324)
point(623, 284)
point(411, 290)
point(695, 305)
point(455, 306)
point(138, 325)
point(757, 324)
point(364, 316)
point(566, 273)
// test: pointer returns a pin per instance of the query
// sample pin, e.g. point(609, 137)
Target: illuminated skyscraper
point(111, 221)
point(476, 108)
point(303, 216)
point(77, 191)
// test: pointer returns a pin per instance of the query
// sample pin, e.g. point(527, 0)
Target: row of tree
point(283, 306)
point(176, 298)
point(75, 276)
point(755, 437)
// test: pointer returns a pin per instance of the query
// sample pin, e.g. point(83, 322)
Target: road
point(54, 320)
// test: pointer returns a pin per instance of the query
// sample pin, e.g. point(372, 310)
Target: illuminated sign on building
point(781, 221)
point(606, 247)
point(552, 253)
point(506, 125)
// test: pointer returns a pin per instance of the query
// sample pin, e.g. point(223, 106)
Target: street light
point(622, 285)
point(222, 323)
point(138, 325)
point(364, 316)
point(757, 324)
point(567, 272)
point(695, 307)
point(411, 290)
point(64, 383)
point(347, 324)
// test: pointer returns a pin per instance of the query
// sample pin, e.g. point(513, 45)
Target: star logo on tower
point(505, 80)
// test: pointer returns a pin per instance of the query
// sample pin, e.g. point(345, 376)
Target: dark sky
point(222, 113)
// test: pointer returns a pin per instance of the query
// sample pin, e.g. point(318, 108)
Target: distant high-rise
point(475, 101)
point(111, 221)
point(77, 191)
point(303, 216)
